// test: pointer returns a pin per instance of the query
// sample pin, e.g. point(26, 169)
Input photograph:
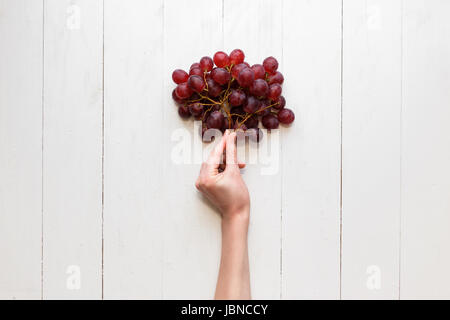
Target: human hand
point(226, 190)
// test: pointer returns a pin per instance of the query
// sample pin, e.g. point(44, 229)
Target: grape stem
point(204, 79)
point(248, 115)
point(237, 115)
point(266, 107)
point(208, 98)
point(224, 96)
point(203, 117)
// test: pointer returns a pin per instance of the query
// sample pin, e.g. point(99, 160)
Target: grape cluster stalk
point(225, 92)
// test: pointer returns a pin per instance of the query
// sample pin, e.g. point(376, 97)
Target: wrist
point(236, 217)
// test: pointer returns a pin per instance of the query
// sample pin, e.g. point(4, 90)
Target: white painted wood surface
point(425, 221)
point(20, 149)
point(311, 150)
point(358, 209)
point(133, 210)
point(371, 111)
point(72, 140)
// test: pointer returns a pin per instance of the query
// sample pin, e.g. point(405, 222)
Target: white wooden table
point(91, 205)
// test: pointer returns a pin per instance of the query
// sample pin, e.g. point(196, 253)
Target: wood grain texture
point(20, 149)
point(311, 149)
point(73, 149)
point(425, 254)
point(191, 228)
point(258, 41)
point(371, 149)
point(134, 206)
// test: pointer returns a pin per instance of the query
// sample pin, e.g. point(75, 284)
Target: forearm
point(234, 276)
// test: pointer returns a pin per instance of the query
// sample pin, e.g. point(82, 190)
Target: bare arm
point(228, 192)
point(234, 276)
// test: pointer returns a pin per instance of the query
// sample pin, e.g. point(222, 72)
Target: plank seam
point(401, 150)
point(103, 148)
point(341, 143)
point(223, 23)
point(42, 154)
point(163, 115)
point(282, 171)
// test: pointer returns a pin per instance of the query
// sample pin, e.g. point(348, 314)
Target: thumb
point(231, 153)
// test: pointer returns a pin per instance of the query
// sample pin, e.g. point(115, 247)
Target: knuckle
point(203, 183)
point(200, 183)
point(207, 183)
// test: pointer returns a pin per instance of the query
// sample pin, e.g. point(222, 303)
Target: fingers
point(223, 165)
point(231, 151)
point(214, 159)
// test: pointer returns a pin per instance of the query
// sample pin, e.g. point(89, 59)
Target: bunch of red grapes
point(232, 94)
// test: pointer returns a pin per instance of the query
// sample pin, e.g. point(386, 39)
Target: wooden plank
point(371, 149)
point(134, 208)
point(256, 28)
point(311, 149)
point(73, 149)
point(191, 227)
point(425, 250)
point(20, 149)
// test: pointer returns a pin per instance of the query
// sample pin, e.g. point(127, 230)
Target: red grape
point(215, 108)
point(259, 71)
point(259, 88)
point(194, 65)
point(238, 113)
point(237, 97)
point(183, 111)
point(203, 130)
point(196, 109)
point(251, 104)
point(206, 64)
point(236, 69)
point(176, 98)
point(214, 89)
point(220, 75)
point(246, 77)
point(197, 71)
point(239, 126)
point(179, 76)
point(221, 59)
point(270, 65)
point(252, 122)
point(224, 91)
point(286, 116)
point(237, 56)
point(270, 121)
point(196, 83)
point(215, 120)
point(225, 124)
point(263, 110)
point(195, 96)
point(274, 91)
point(280, 103)
point(277, 77)
point(183, 91)
point(234, 85)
